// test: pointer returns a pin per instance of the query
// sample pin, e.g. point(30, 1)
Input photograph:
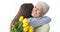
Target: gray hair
point(45, 6)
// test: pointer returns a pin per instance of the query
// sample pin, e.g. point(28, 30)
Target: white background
point(9, 8)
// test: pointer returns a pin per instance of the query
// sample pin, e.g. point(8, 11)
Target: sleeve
point(39, 22)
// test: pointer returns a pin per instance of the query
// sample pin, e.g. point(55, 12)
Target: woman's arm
point(43, 28)
point(39, 22)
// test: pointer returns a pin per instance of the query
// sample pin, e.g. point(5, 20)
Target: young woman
point(25, 10)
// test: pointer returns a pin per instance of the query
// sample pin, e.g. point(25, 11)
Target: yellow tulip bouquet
point(22, 25)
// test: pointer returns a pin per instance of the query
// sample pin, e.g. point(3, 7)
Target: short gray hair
point(45, 6)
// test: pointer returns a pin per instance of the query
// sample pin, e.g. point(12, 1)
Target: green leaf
point(18, 26)
point(14, 29)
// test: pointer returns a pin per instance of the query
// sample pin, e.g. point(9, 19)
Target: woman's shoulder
point(46, 17)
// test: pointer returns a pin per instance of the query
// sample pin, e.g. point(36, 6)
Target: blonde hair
point(45, 6)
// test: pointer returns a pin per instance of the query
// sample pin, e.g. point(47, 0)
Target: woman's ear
point(42, 14)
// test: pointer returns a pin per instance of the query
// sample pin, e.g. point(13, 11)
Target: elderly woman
point(40, 9)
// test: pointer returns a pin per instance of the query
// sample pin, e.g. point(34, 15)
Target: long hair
point(25, 10)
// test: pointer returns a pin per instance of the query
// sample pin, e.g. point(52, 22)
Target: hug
point(35, 15)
